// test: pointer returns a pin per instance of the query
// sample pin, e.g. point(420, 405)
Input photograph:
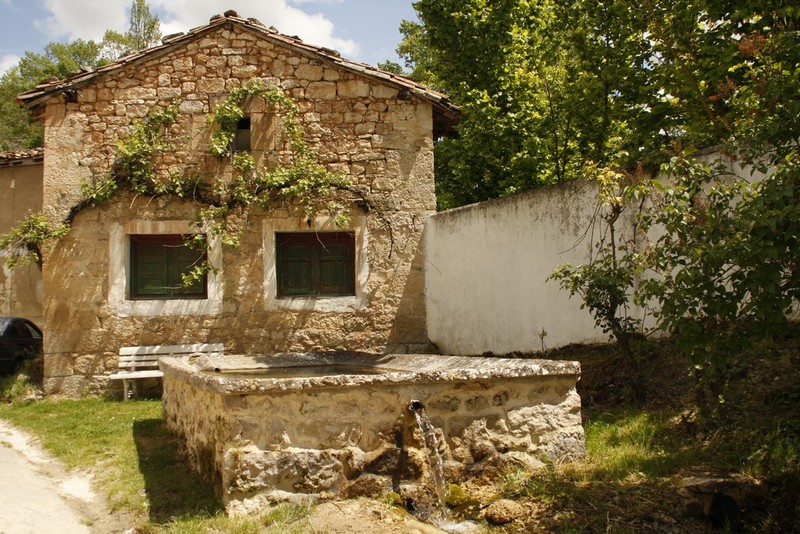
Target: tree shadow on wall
point(173, 489)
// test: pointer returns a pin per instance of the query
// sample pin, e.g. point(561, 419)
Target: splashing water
point(443, 519)
point(435, 460)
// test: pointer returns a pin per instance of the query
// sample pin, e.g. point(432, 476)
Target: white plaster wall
point(487, 265)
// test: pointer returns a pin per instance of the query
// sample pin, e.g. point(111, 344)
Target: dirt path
point(37, 494)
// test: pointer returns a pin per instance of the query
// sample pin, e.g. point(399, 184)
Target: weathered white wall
point(487, 265)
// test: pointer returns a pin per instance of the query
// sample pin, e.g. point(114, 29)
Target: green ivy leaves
point(25, 242)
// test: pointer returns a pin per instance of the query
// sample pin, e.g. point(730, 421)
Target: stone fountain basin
point(268, 428)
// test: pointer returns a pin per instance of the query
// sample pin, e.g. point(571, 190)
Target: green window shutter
point(295, 271)
point(182, 260)
point(334, 269)
point(157, 265)
point(315, 263)
point(149, 276)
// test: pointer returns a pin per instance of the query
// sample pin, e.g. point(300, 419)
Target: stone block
point(216, 62)
point(321, 90)
point(244, 71)
point(312, 73)
point(168, 92)
point(136, 93)
point(211, 85)
point(191, 107)
point(352, 89)
point(365, 128)
point(331, 75)
point(87, 95)
point(182, 64)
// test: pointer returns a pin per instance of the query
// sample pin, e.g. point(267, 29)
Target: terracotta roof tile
point(17, 157)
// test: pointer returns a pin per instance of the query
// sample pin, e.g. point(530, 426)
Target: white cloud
point(84, 19)
point(7, 61)
point(89, 19)
point(181, 15)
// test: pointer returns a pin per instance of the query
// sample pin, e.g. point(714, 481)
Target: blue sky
point(362, 30)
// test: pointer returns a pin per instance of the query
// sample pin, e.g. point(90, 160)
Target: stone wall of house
point(20, 194)
point(363, 128)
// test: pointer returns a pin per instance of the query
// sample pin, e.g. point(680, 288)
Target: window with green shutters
point(315, 264)
point(157, 263)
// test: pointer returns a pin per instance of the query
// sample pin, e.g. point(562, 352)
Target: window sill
point(155, 308)
point(318, 304)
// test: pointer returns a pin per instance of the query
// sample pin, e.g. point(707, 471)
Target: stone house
point(20, 194)
point(111, 282)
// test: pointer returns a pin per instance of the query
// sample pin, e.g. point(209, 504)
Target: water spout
point(435, 460)
point(415, 406)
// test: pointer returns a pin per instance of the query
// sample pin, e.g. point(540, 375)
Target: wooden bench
point(142, 362)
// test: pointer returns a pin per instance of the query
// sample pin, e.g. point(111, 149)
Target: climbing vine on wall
point(225, 205)
point(24, 242)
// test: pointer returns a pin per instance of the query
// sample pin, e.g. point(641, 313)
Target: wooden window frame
point(319, 253)
point(173, 267)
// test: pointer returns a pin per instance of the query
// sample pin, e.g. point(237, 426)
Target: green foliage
point(605, 284)
point(225, 206)
point(725, 269)
point(24, 243)
point(416, 52)
point(18, 129)
point(604, 287)
point(144, 27)
point(548, 87)
point(222, 209)
point(545, 88)
point(134, 163)
point(391, 66)
point(721, 267)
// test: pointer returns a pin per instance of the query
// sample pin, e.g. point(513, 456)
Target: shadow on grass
point(172, 488)
point(627, 482)
point(623, 485)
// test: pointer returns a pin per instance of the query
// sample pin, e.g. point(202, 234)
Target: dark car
point(19, 339)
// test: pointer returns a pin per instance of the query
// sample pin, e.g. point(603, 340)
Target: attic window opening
point(241, 139)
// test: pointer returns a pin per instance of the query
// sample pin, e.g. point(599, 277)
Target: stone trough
point(294, 426)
